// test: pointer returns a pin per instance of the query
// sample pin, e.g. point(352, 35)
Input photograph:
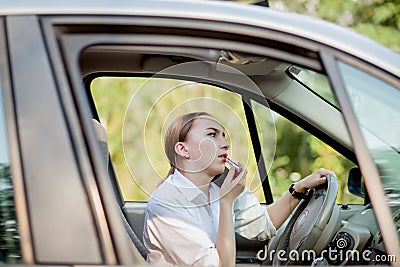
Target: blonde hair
point(177, 132)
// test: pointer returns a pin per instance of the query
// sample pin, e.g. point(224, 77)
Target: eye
point(212, 134)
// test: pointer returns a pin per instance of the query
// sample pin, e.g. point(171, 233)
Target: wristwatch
point(296, 194)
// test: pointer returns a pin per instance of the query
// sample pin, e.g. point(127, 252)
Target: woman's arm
point(226, 235)
point(281, 209)
point(230, 189)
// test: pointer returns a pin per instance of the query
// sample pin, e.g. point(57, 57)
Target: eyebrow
point(216, 130)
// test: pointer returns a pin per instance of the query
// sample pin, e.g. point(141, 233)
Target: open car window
point(142, 107)
point(136, 123)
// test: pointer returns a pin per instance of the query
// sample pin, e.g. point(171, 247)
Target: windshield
point(315, 82)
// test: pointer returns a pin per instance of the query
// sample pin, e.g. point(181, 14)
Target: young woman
point(192, 221)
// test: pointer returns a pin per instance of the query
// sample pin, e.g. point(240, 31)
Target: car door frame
point(71, 60)
point(14, 150)
point(71, 44)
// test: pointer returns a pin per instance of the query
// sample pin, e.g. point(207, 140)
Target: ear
point(181, 150)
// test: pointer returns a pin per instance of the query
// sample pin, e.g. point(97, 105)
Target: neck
point(199, 179)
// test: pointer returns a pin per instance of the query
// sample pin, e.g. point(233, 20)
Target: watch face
point(296, 194)
point(291, 189)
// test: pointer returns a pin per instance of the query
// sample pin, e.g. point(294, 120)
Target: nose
point(224, 144)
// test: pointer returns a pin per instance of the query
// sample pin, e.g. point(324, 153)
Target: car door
point(374, 115)
point(59, 216)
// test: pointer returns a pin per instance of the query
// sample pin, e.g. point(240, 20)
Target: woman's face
point(206, 146)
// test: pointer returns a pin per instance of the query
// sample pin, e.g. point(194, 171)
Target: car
point(88, 87)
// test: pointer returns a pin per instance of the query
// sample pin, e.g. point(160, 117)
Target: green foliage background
point(135, 135)
point(376, 19)
point(10, 251)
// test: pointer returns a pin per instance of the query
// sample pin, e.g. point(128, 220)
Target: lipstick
point(232, 163)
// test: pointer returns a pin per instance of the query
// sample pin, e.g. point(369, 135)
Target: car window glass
point(375, 104)
point(315, 82)
point(296, 153)
point(137, 117)
point(9, 235)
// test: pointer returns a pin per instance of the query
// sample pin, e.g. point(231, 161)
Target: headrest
point(102, 138)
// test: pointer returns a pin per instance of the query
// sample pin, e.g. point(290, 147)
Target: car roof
point(326, 33)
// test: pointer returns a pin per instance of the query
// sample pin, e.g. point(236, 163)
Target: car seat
point(137, 245)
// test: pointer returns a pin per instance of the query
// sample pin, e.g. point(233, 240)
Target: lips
point(223, 156)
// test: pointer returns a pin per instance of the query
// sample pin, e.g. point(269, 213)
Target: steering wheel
point(306, 228)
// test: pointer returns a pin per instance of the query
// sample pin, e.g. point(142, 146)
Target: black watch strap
point(296, 194)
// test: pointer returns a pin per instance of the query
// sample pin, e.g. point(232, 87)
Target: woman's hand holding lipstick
point(233, 164)
point(235, 180)
point(236, 166)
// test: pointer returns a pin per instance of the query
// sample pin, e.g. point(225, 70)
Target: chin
point(218, 170)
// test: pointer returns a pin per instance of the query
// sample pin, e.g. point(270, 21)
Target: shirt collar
point(186, 187)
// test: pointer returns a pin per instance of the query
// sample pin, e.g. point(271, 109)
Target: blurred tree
point(377, 19)
point(10, 251)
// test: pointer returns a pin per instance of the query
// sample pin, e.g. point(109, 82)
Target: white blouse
point(181, 227)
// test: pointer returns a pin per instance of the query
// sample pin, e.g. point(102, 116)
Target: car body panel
point(30, 92)
point(45, 41)
point(218, 11)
